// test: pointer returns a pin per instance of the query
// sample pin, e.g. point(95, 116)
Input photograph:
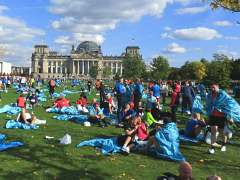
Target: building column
point(112, 67)
point(83, 67)
point(88, 67)
point(116, 66)
point(73, 68)
point(121, 70)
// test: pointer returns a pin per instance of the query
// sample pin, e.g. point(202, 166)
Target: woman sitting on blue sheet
point(26, 117)
point(194, 126)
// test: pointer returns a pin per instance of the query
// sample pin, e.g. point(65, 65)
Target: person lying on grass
point(26, 117)
point(135, 131)
point(82, 103)
point(194, 126)
point(61, 102)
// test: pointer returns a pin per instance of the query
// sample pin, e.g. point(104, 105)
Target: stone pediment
point(83, 56)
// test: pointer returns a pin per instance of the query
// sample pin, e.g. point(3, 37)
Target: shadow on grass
point(60, 164)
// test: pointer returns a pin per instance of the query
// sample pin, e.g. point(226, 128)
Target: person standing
point(187, 97)
point(120, 90)
point(217, 119)
point(137, 93)
point(51, 87)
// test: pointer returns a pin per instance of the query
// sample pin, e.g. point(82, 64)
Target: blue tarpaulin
point(168, 143)
point(12, 124)
point(76, 118)
point(71, 110)
point(185, 138)
point(10, 110)
point(197, 105)
point(4, 145)
point(107, 146)
point(224, 103)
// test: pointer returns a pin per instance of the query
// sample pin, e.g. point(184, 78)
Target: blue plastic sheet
point(107, 146)
point(76, 118)
point(185, 138)
point(10, 110)
point(168, 141)
point(66, 92)
point(224, 103)
point(7, 145)
point(12, 124)
point(197, 105)
point(71, 110)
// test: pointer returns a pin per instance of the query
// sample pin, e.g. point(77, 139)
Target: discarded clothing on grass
point(197, 106)
point(168, 143)
point(71, 110)
point(107, 146)
point(76, 118)
point(12, 124)
point(7, 145)
point(11, 110)
point(224, 103)
point(69, 92)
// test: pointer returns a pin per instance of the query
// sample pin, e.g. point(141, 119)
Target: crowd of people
point(141, 109)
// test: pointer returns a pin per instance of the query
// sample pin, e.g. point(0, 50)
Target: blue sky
point(178, 29)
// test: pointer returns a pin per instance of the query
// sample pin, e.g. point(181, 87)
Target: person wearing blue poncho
point(221, 108)
point(137, 93)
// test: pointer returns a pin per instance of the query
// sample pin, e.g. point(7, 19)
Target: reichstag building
point(46, 63)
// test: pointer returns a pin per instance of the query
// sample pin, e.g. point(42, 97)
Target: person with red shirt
point(82, 104)
point(61, 102)
point(217, 120)
point(21, 102)
point(174, 103)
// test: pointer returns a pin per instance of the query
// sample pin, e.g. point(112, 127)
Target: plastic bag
point(66, 139)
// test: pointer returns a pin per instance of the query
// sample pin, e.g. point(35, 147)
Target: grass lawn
point(47, 159)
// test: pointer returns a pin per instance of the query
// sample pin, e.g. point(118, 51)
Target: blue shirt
point(191, 125)
point(156, 90)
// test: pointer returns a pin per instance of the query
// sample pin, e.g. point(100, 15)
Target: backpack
point(52, 82)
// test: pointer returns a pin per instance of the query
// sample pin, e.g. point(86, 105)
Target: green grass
point(47, 159)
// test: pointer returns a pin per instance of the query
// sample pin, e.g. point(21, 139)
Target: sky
point(181, 30)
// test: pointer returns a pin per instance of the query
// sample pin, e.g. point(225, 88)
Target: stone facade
point(46, 63)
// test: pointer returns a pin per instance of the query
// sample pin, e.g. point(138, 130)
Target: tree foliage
point(106, 72)
point(160, 68)
point(93, 71)
point(133, 67)
point(175, 74)
point(235, 72)
point(195, 70)
point(232, 5)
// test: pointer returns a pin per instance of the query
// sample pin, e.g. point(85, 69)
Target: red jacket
point(174, 98)
point(82, 101)
point(62, 103)
point(21, 102)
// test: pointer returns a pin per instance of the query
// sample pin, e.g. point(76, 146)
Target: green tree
point(93, 71)
point(219, 71)
point(195, 70)
point(232, 5)
point(175, 74)
point(106, 72)
point(133, 67)
point(160, 68)
point(235, 71)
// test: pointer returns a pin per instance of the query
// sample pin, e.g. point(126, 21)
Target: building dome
point(88, 46)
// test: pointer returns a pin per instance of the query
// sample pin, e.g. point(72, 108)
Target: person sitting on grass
point(185, 173)
point(194, 126)
point(133, 128)
point(82, 103)
point(25, 117)
point(61, 102)
point(214, 178)
point(149, 119)
point(96, 116)
point(21, 102)
point(33, 100)
point(126, 114)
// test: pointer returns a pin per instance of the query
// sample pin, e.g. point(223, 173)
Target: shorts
point(217, 121)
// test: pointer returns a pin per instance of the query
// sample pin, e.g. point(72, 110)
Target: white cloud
point(167, 28)
point(224, 23)
point(198, 33)
point(191, 10)
point(175, 48)
point(16, 38)
point(91, 19)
